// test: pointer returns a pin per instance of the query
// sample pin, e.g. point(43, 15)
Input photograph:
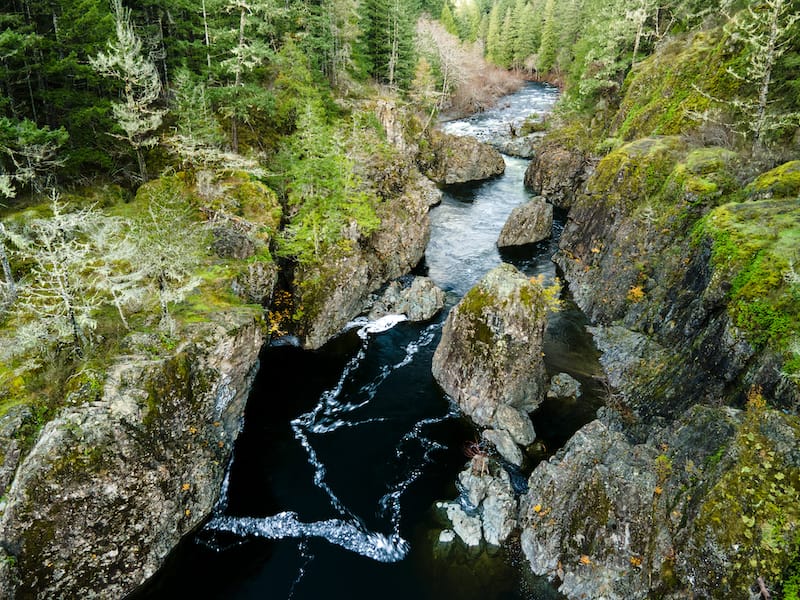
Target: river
point(345, 450)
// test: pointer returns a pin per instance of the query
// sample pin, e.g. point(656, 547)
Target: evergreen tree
point(390, 40)
point(169, 247)
point(548, 48)
point(242, 98)
point(137, 115)
point(765, 30)
point(448, 20)
point(28, 155)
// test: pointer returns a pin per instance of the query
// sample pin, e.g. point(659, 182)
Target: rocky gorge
point(109, 487)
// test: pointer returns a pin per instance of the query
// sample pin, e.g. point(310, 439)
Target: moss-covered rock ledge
point(111, 486)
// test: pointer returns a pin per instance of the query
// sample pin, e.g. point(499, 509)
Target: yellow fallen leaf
point(537, 508)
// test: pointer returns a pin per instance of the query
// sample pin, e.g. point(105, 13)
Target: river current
point(345, 450)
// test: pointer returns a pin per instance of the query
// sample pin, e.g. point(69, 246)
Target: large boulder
point(111, 486)
point(528, 223)
point(452, 159)
point(696, 511)
point(490, 353)
point(557, 172)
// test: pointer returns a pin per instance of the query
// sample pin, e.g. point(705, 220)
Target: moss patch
point(667, 92)
point(753, 510)
point(781, 182)
point(752, 246)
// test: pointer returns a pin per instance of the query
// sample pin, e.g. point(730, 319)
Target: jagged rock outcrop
point(333, 292)
point(529, 223)
point(489, 359)
point(557, 172)
point(486, 510)
point(452, 159)
point(418, 298)
point(672, 517)
point(111, 486)
point(641, 249)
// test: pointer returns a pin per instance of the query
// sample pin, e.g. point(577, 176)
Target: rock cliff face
point(614, 519)
point(454, 159)
point(685, 272)
point(111, 486)
point(642, 249)
point(334, 292)
point(489, 359)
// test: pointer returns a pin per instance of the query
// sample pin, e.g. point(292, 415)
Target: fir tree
point(137, 115)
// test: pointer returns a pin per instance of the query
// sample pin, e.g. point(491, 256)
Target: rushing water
point(346, 449)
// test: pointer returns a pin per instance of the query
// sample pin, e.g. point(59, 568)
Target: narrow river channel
point(345, 450)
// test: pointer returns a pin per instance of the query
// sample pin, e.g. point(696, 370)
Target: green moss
point(666, 93)
point(635, 172)
point(753, 510)
point(752, 246)
point(781, 182)
point(472, 306)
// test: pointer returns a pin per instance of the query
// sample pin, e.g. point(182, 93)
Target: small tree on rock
point(170, 245)
point(58, 298)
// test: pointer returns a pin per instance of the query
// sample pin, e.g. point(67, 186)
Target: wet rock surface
point(418, 298)
point(460, 159)
point(529, 223)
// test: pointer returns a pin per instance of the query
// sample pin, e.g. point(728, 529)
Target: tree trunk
point(8, 274)
point(769, 63)
point(205, 32)
point(142, 164)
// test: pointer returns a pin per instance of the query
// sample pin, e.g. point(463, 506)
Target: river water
point(345, 450)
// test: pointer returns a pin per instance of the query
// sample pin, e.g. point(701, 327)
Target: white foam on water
point(352, 536)
point(330, 414)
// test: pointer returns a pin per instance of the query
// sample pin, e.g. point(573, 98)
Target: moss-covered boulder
point(780, 182)
point(111, 486)
point(704, 508)
point(490, 353)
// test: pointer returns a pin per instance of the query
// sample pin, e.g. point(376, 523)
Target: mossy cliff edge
point(681, 246)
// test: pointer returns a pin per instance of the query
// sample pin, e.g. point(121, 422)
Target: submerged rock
point(466, 527)
point(491, 347)
point(529, 223)
point(455, 159)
